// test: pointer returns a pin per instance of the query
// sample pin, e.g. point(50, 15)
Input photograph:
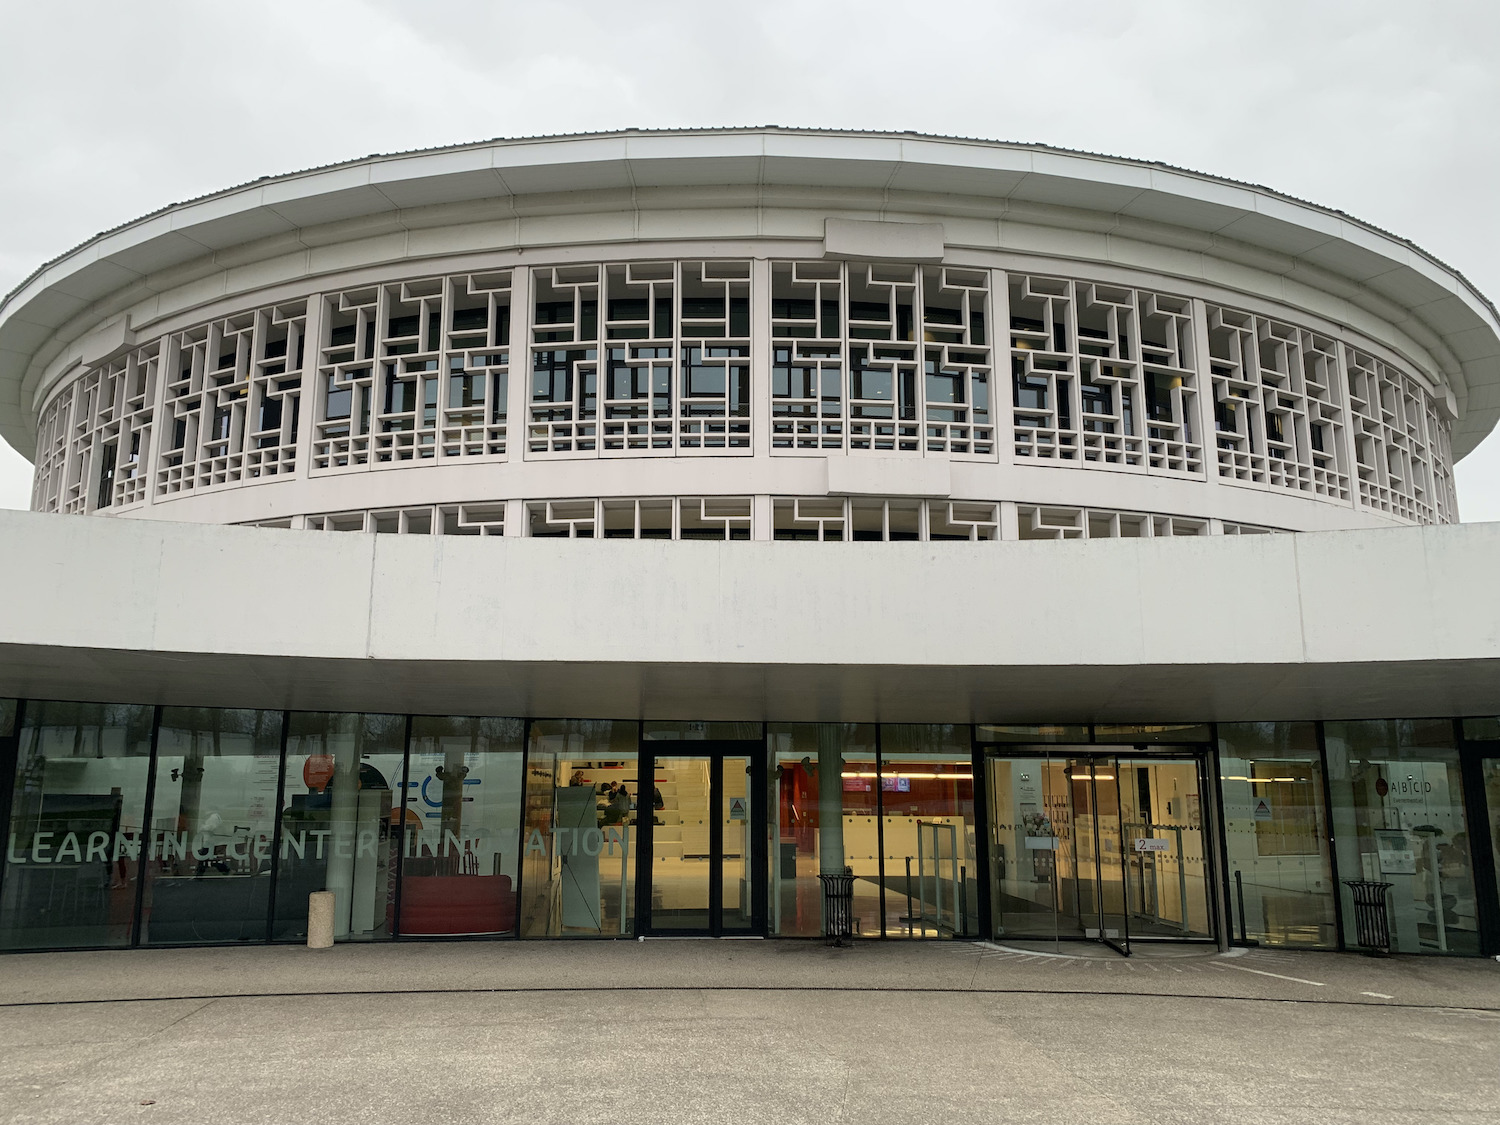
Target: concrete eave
point(1357, 624)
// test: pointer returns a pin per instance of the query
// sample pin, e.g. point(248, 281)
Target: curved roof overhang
point(1324, 248)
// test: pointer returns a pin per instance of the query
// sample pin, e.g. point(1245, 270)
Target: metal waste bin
point(838, 906)
point(1372, 924)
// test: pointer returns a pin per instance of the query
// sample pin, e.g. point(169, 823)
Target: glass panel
point(658, 730)
point(579, 854)
point(1482, 729)
point(680, 867)
point(1100, 858)
point(1398, 818)
point(1153, 732)
point(76, 826)
point(213, 813)
point(854, 845)
point(927, 791)
point(1491, 769)
point(994, 732)
point(341, 801)
point(1166, 878)
point(1031, 849)
point(1280, 882)
point(458, 869)
point(737, 811)
point(7, 717)
point(808, 821)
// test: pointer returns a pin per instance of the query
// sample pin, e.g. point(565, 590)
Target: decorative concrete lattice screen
point(415, 371)
point(882, 358)
point(824, 519)
point(1276, 420)
point(1104, 376)
point(642, 357)
point(657, 359)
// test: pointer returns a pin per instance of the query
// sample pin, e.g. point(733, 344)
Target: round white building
point(750, 334)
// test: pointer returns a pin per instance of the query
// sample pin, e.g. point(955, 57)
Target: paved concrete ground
point(744, 1032)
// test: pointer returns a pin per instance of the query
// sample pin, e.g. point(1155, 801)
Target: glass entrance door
point(705, 843)
point(1092, 846)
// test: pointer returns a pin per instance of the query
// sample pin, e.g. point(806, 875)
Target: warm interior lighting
point(916, 776)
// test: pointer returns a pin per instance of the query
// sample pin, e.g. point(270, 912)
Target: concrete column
point(830, 799)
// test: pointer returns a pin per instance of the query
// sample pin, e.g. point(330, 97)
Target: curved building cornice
point(1302, 243)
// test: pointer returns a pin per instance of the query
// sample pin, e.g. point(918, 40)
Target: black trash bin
point(838, 906)
point(1372, 924)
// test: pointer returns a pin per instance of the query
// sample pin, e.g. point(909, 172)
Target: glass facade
point(462, 851)
point(341, 818)
point(1399, 818)
point(927, 830)
point(823, 818)
point(134, 825)
point(583, 805)
point(1276, 835)
point(77, 826)
point(213, 818)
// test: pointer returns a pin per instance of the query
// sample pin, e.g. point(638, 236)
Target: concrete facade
point(1345, 625)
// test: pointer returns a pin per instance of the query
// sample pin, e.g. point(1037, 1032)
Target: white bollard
point(320, 920)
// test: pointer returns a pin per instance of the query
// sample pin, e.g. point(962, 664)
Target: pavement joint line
point(1278, 976)
point(901, 990)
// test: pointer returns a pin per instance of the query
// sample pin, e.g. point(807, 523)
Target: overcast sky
point(1387, 110)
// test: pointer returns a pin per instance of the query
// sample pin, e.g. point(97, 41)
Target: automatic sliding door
point(1055, 848)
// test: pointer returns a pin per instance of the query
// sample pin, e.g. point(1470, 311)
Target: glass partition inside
point(342, 788)
point(77, 823)
point(213, 813)
point(1280, 882)
point(1398, 816)
point(583, 798)
point(927, 793)
point(7, 717)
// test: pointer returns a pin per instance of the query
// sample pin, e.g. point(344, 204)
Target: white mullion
point(1202, 366)
point(762, 517)
point(761, 346)
point(518, 379)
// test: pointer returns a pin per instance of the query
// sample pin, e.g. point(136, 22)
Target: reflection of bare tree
point(452, 773)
